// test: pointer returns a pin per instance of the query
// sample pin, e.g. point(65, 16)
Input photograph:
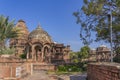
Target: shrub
point(61, 68)
point(7, 51)
point(69, 68)
point(116, 59)
point(23, 56)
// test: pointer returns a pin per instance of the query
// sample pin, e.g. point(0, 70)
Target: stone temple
point(38, 46)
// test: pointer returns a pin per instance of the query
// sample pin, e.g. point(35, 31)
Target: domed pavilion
point(38, 46)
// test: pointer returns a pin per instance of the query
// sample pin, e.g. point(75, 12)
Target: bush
point(83, 66)
point(117, 59)
point(7, 51)
point(61, 68)
point(76, 67)
point(23, 56)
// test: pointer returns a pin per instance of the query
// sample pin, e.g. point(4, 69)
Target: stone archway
point(38, 53)
point(28, 52)
point(47, 54)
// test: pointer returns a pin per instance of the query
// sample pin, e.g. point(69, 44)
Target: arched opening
point(28, 51)
point(38, 53)
point(46, 54)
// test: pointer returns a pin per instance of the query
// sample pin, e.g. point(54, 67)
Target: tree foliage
point(7, 30)
point(80, 55)
point(84, 52)
point(74, 57)
point(94, 18)
point(7, 50)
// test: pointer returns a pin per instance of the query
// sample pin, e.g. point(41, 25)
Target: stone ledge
point(103, 71)
point(117, 65)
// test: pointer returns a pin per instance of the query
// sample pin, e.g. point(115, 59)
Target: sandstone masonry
point(103, 71)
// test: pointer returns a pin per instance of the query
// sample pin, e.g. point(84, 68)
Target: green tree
point(74, 57)
point(84, 52)
point(94, 18)
point(80, 55)
point(7, 30)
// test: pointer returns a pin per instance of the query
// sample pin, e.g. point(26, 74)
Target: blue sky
point(55, 16)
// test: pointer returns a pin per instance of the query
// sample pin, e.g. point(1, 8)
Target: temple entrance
point(38, 53)
point(47, 57)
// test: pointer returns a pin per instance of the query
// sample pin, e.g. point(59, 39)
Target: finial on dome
point(39, 26)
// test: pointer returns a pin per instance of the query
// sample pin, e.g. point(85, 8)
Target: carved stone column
point(27, 52)
point(33, 54)
point(50, 57)
point(42, 52)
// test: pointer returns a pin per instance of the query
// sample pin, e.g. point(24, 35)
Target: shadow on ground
point(78, 77)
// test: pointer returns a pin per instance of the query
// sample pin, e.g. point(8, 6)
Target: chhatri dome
point(40, 34)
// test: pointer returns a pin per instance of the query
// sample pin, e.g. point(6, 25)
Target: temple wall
point(12, 69)
point(18, 69)
point(103, 71)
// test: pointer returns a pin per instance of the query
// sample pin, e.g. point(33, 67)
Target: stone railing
point(103, 71)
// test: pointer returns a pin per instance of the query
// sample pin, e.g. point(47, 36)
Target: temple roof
point(21, 20)
point(40, 34)
point(103, 46)
point(21, 25)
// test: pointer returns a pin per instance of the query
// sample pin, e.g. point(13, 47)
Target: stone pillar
point(27, 53)
point(31, 68)
point(42, 56)
point(33, 53)
point(50, 57)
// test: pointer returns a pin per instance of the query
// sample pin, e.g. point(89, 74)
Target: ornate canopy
point(40, 34)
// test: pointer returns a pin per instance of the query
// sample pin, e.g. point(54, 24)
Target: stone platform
point(43, 66)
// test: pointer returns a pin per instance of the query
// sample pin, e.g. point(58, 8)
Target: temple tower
point(19, 43)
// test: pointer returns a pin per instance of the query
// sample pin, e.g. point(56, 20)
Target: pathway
point(78, 77)
point(41, 75)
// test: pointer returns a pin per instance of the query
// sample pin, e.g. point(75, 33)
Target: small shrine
point(102, 54)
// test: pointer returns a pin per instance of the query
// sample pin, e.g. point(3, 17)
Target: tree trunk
point(2, 44)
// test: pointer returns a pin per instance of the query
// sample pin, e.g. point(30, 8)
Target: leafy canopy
point(94, 18)
point(84, 52)
point(80, 55)
point(7, 30)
